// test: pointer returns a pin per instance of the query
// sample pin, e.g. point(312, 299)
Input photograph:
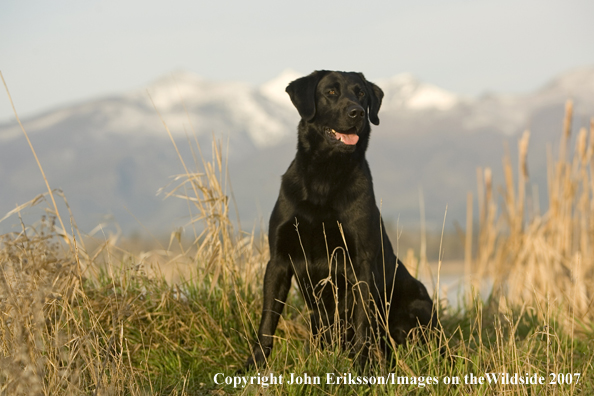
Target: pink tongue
point(350, 138)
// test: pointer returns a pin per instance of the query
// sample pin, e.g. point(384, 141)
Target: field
point(84, 316)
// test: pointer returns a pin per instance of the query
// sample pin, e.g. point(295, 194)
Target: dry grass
point(78, 322)
point(542, 259)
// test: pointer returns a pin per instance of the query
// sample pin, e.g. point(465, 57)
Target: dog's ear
point(375, 99)
point(303, 93)
point(375, 103)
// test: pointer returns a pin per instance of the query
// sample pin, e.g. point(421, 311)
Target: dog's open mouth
point(349, 137)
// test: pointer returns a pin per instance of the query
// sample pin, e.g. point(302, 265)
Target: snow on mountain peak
point(170, 90)
point(406, 91)
point(220, 106)
point(274, 89)
point(429, 96)
point(572, 82)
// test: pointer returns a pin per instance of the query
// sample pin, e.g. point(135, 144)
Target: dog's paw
point(257, 359)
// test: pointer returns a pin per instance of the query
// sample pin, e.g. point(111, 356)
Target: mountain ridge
point(110, 155)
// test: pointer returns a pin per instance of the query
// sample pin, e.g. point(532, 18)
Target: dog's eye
point(332, 92)
point(361, 94)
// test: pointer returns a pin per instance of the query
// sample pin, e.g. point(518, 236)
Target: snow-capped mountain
point(255, 118)
point(405, 92)
point(111, 155)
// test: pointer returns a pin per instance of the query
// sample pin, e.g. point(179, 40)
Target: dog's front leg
point(277, 281)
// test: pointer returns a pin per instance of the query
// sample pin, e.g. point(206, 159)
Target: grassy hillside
point(86, 317)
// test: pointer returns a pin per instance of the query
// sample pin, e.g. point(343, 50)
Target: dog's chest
point(320, 241)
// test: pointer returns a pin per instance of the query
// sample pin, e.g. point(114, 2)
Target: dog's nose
point(355, 111)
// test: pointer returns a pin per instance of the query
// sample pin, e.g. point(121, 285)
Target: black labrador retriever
point(326, 229)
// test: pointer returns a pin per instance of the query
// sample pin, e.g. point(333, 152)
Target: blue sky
point(61, 51)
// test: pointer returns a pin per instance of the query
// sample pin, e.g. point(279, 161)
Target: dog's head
point(339, 105)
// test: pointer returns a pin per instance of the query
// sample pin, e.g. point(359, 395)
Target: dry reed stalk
point(522, 178)
point(487, 233)
point(544, 258)
point(468, 241)
point(49, 190)
point(480, 196)
point(510, 192)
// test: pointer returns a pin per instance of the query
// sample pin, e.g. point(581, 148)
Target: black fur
point(328, 187)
